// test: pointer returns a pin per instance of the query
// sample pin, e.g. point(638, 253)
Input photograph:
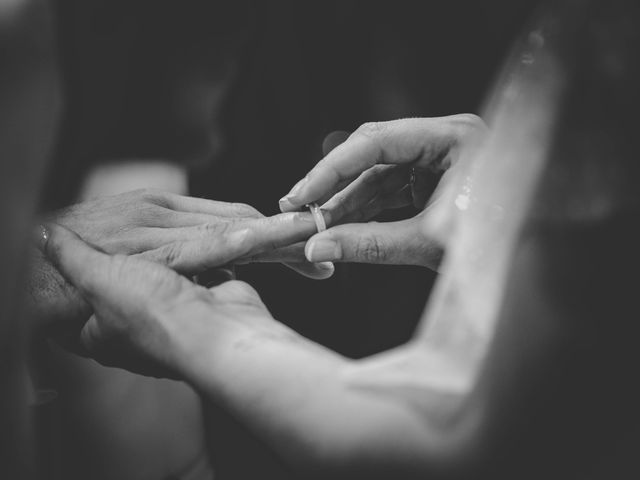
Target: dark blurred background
point(243, 94)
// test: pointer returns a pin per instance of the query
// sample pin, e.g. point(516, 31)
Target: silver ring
point(321, 225)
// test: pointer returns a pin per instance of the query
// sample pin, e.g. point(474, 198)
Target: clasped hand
point(188, 235)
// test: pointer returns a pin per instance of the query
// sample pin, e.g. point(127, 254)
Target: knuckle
point(241, 291)
point(152, 195)
point(206, 229)
point(150, 214)
point(170, 254)
point(209, 229)
point(147, 194)
point(372, 130)
point(244, 210)
point(242, 288)
point(369, 249)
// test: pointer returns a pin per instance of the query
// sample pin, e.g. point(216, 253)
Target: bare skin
point(189, 235)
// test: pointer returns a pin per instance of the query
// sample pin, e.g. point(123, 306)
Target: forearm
point(296, 397)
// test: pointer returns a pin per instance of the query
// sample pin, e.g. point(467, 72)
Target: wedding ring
point(317, 217)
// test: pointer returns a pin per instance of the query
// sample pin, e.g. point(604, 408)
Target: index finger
point(420, 141)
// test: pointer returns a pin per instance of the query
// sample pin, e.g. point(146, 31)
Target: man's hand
point(383, 166)
point(190, 235)
point(147, 318)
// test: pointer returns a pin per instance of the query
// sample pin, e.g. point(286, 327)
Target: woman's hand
point(190, 235)
point(383, 166)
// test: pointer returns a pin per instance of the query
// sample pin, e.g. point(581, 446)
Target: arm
point(318, 411)
point(312, 406)
point(413, 411)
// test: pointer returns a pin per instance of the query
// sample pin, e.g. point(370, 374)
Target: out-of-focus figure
point(29, 110)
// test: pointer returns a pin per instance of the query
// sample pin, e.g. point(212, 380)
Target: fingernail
point(285, 205)
point(322, 250)
point(285, 202)
point(297, 187)
point(325, 266)
point(324, 270)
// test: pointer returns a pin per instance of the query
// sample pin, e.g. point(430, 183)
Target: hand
point(187, 234)
point(383, 166)
point(147, 318)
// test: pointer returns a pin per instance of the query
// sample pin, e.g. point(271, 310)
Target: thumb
point(80, 264)
point(391, 243)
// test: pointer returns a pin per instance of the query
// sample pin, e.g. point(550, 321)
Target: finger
point(423, 185)
point(80, 264)
point(161, 217)
point(192, 257)
point(315, 271)
point(379, 204)
point(149, 238)
point(219, 246)
point(376, 181)
point(422, 141)
point(292, 256)
point(374, 207)
point(290, 253)
point(270, 233)
point(331, 193)
point(167, 218)
point(181, 203)
point(394, 243)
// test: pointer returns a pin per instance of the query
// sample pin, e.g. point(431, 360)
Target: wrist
point(225, 354)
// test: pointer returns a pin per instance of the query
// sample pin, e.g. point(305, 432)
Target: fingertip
point(322, 249)
point(295, 198)
point(325, 270)
point(314, 271)
point(308, 249)
point(286, 205)
point(321, 270)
